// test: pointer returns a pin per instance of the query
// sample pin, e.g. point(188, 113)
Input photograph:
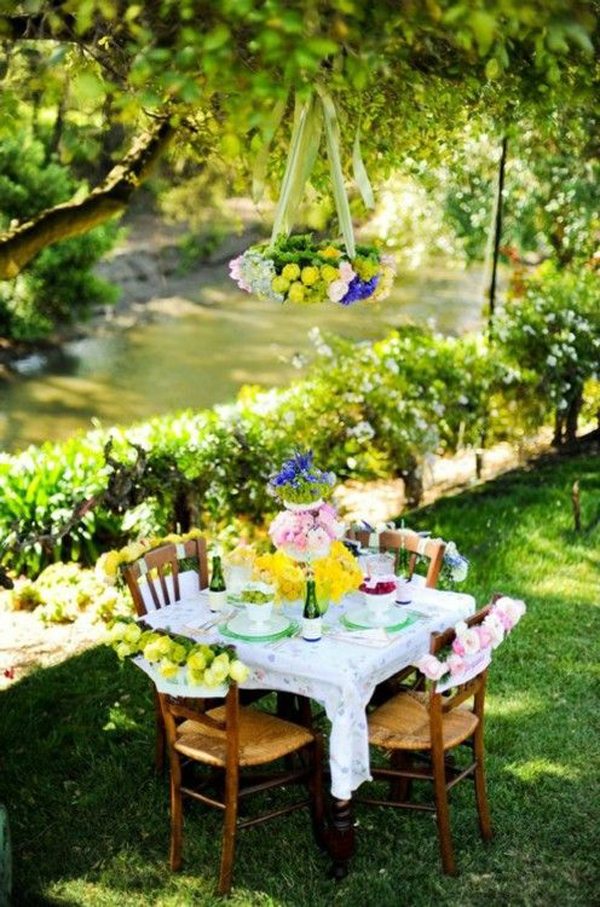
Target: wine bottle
point(311, 616)
point(217, 590)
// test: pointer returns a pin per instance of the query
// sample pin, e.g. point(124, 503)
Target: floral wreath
point(298, 269)
point(207, 665)
point(503, 616)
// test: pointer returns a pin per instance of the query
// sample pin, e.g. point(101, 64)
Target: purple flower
point(360, 289)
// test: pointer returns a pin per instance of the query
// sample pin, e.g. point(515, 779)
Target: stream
point(198, 347)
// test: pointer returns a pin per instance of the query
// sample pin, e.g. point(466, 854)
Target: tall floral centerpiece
point(309, 524)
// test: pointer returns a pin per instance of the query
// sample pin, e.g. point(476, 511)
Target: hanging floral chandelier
point(296, 268)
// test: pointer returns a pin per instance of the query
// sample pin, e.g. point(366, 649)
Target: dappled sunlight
point(534, 770)
point(525, 705)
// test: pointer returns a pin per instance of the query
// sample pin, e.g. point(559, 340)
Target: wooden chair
point(399, 539)
point(427, 725)
point(229, 738)
point(155, 566)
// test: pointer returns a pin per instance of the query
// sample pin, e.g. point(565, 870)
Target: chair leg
point(160, 740)
point(485, 824)
point(316, 790)
point(400, 788)
point(229, 830)
point(176, 813)
point(442, 814)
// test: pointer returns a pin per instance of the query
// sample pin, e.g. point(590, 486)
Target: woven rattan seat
point(263, 738)
point(403, 723)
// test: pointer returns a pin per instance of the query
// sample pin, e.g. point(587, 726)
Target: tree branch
point(23, 242)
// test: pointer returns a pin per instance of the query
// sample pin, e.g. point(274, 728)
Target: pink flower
point(337, 289)
point(235, 272)
point(509, 611)
point(468, 639)
point(458, 648)
point(495, 628)
point(431, 667)
point(485, 637)
point(347, 272)
point(456, 664)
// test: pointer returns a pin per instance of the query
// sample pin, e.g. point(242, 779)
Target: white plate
point(242, 624)
point(360, 614)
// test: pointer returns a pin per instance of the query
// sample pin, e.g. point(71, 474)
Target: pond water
point(198, 349)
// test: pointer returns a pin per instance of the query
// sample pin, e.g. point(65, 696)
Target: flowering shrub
point(297, 269)
point(503, 616)
point(550, 329)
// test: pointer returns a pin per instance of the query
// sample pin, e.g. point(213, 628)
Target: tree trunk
point(572, 418)
point(558, 430)
point(22, 243)
point(497, 238)
point(413, 484)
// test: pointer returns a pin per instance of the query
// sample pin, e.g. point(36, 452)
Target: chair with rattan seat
point(229, 738)
point(159, 568)
point(425, 726)
point(397, 540)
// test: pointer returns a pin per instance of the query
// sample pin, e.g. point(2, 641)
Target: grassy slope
point(90, 820)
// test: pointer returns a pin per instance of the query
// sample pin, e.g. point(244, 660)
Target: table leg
point(340, 837)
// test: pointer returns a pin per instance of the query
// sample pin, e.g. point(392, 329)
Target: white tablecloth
point(340, 674)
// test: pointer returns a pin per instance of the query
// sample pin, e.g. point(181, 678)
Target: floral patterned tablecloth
point(339, 673)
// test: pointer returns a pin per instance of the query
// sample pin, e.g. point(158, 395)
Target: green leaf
point(483, 26)
point(217, 37)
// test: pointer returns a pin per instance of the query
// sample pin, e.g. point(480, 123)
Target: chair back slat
point(398, 539)
point(157, 565)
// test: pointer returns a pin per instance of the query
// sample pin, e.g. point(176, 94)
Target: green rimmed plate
point(359, 618)
point(239, 626)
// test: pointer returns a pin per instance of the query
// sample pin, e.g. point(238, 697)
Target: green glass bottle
point(311, 616)
point(217, 590)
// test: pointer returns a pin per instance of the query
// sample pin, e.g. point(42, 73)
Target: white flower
point(469, 639)
point(493, 625)
point(551, 360)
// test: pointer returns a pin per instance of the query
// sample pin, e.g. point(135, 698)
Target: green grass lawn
point(90, 819)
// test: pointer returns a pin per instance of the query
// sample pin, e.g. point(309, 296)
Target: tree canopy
point(124, 80)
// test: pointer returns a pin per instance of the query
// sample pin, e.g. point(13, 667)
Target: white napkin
point(426, 600)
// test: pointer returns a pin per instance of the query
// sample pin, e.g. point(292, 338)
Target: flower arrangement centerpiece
point(335, 575)
point(177, 659)
point(299, 269)
point(308, 525)
point(473, 642)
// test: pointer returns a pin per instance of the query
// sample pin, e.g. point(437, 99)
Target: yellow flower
point(123, 650)
point(296, 292)
point(111, 563)
point(168, 668)
point(365, 268)
point(196, 662)
point(172, 539)
point(280, 285)
point(192, 534)
point(132, 634)
point(309, 275)
point(238, 671)
point(330, 252)
point(329, 273)
point(132, 552)
point(291, 271)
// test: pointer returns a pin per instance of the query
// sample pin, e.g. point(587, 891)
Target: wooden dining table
point(340, 672)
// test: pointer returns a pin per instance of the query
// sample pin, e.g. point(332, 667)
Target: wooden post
point(576, 506)
point(497, 237)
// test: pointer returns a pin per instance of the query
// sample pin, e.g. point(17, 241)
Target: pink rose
point(485, 637)
point(456, 664)
point(431, 667)
point(457, 647)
